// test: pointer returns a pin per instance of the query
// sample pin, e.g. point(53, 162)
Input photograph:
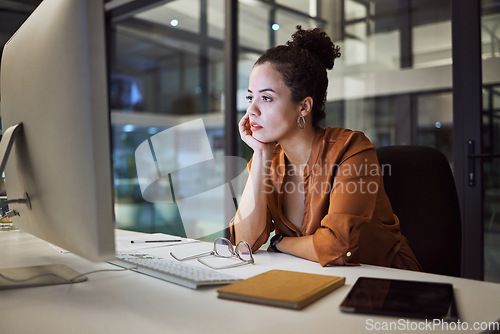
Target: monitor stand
point(8, 137)
point(50, 274)
point(23, 277)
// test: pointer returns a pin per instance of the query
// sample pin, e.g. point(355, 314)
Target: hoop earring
point(301, 122)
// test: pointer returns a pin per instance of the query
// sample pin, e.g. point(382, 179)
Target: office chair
point(420, 185)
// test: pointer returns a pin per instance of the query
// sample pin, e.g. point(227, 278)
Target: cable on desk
point(72, 280)
point(98, 271)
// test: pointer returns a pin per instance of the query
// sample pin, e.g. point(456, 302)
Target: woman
point(320, 189)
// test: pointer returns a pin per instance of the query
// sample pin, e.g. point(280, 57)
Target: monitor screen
point(54, 83)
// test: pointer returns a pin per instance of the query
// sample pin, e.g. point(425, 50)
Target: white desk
point(128, 302)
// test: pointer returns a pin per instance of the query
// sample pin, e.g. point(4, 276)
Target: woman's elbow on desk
point(303, 247)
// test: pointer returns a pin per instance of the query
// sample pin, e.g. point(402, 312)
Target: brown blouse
point(346, 208)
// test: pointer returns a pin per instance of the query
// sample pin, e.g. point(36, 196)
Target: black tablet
point(401, 298)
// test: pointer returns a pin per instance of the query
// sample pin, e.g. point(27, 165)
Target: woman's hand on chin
point(247, 136)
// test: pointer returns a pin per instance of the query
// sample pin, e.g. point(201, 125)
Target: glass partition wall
point(394, 70)
point(393, 81)
point(167, 68)
point(490, 42)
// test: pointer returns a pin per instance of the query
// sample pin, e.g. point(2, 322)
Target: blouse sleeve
point(261, 239)
point(353, 198)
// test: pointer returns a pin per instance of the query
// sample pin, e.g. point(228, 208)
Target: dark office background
point(173, 61)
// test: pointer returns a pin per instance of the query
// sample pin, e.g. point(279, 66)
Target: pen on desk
point(150, 241)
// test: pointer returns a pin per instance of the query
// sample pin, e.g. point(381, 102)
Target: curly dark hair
point(303, 63)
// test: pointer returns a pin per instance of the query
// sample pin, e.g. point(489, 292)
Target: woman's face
point(273, 115)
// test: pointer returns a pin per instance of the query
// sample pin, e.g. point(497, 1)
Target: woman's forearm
point(302, 247)
point(251, 218)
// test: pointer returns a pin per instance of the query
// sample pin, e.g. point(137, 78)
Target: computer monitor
point(54, 83)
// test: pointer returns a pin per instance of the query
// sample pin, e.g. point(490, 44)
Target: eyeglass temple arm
point(229, 266)
point(191, 257)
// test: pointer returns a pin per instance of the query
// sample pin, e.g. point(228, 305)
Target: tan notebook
point(282, 288)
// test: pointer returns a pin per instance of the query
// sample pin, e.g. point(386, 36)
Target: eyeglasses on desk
point(224, 249)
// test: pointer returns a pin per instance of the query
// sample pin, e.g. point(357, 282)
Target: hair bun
point(317, 42)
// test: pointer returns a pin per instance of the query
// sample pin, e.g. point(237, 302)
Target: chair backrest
point(421, 188)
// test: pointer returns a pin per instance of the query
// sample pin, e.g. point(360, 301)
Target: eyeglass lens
point(223, 247)
point(244, 252)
